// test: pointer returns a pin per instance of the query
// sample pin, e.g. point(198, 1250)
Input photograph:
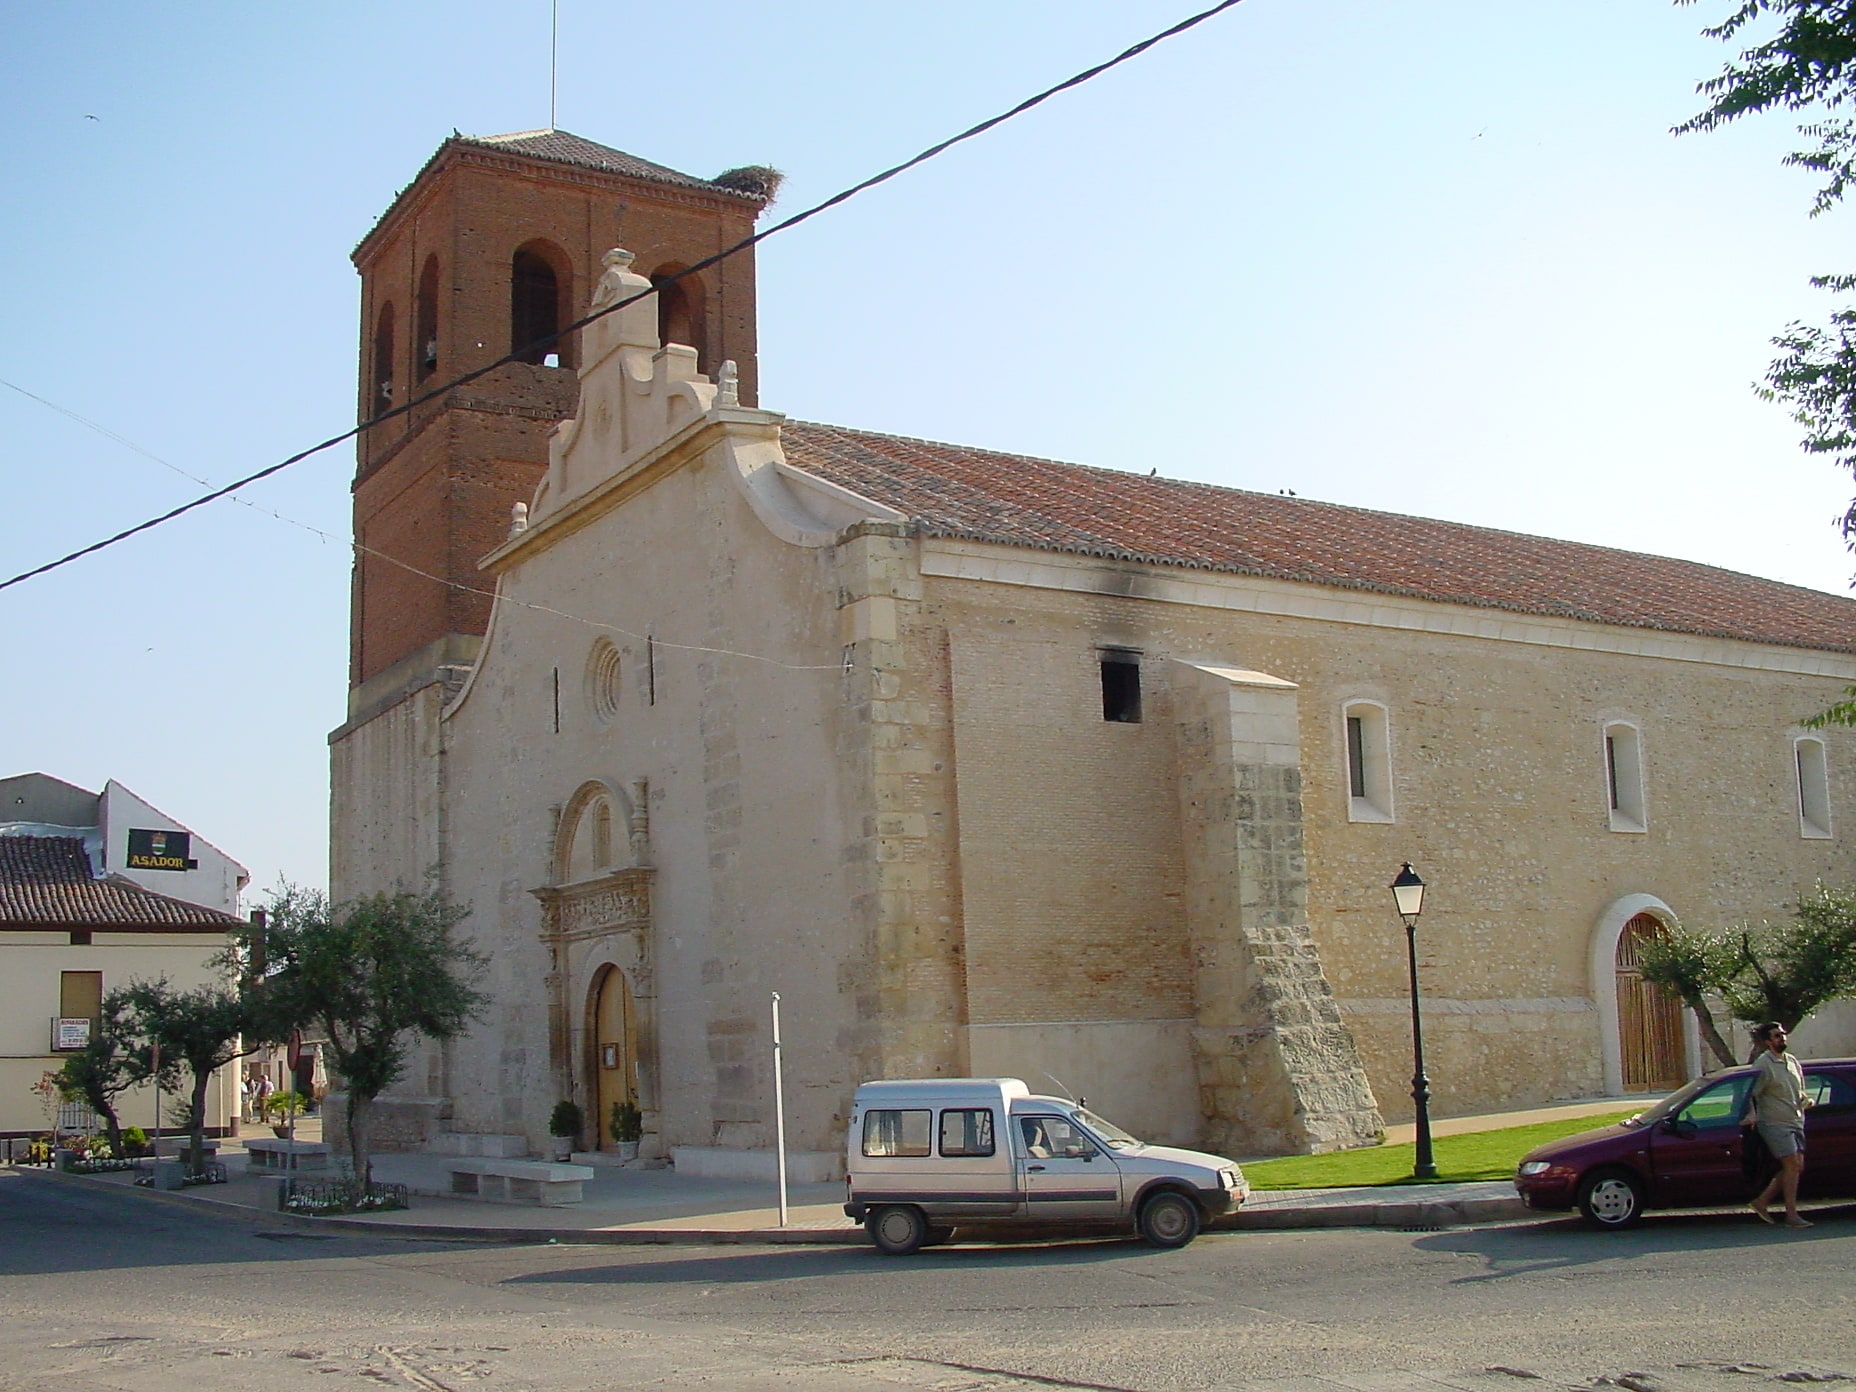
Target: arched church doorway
point(615, 1050)
point(1650, 1042)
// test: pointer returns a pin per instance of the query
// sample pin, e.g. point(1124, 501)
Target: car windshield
point(1671, 1104)
point(1107, 1132)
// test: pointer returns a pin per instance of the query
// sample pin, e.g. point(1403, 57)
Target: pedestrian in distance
point(1776, 1103)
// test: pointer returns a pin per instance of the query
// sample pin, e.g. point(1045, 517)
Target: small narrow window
point(1121, 686)
point(1813, 788)
point(1368, 735)
point(1624, 777)
point(80, 937)
point(602, 837)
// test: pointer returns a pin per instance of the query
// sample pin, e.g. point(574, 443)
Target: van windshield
point(1107, 1132)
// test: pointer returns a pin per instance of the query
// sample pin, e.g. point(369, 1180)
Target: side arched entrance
point(1649, 1042)
point(1650, 1047)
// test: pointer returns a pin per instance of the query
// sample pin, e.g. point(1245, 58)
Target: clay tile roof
point(46, 881)
point(564, 147)
point(952, 491)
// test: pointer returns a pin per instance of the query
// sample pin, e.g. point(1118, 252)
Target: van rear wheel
point(897, 1229)
point(1169, 1219)
point(937, 1236)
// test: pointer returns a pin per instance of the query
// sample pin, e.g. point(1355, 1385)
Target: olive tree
point(1768, 971)
point(110, 1064)
point(200, 1030)
point(1691, 966)
point(366, 976)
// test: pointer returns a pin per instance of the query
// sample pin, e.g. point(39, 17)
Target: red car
point(1685, 1152)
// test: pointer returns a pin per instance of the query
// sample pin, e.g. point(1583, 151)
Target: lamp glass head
point(1408, 893)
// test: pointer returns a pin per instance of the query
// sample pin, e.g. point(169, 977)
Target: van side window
point(895, 1133)
point(1054, 1138)
point(966, 1131)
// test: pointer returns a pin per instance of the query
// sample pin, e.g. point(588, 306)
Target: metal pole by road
point(1424, 1167)
point(779, 1110)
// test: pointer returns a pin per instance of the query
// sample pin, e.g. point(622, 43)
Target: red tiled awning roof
point(45, 882)
point(952, 491)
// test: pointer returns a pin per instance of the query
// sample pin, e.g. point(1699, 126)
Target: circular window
point(602, 681)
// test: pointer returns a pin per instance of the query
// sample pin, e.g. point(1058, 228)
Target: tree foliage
point(201, 1030)
point(366, 977)
point(114, 1061)
point(1808, 63)
point(1691, 966)
point(1780, 971)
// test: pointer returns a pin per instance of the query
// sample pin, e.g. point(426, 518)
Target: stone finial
point(728, 384)
point(518, 519)
point(613, 279)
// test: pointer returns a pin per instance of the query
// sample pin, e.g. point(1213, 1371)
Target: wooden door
point(1649, 1019)
point(615, 1053)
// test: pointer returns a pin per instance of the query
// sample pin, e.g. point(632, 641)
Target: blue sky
point(1438, 258)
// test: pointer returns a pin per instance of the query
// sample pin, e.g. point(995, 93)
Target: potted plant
point(564, 1125)
point(627, 1128)
point(282, 1106)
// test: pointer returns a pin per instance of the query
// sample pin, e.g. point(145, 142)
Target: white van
point(929, 1157)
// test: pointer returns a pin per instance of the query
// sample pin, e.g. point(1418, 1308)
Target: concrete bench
point(518, 1181)
point(273, 1155)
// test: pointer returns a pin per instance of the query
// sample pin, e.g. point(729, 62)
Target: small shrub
point(627, 1122)
point(566, 1120)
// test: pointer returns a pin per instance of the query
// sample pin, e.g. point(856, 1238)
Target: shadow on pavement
point(1529, 1248)
point(734, 1267)
point(54, 1226)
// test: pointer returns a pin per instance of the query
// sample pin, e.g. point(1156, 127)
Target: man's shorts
point(1782, 1140)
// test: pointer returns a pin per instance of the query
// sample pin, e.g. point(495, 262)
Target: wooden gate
point(1650, 1043)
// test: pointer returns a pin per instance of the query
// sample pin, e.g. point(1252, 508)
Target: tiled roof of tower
point(564, 147)
point(46, 881)
point(952, 491)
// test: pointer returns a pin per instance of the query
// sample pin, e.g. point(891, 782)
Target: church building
point(993, 765)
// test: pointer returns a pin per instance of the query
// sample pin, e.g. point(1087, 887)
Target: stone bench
point(273, 1155)
point(518, 1181)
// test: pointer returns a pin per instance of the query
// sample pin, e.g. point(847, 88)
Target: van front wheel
point(1169, 1219)
point(897, 1229)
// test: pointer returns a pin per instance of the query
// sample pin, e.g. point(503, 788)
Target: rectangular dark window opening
point(1611, 769)
point(1121, 686)
point(80, 937)
point(898, 1134)
point(1356, 756)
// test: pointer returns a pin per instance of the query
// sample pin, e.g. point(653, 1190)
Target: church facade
point(996, 765)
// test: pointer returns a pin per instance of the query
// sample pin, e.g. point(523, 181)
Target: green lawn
point(1478, 1155)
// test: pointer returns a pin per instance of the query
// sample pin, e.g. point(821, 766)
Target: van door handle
point(1038, 1168)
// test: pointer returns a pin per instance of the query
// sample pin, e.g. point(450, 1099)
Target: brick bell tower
point(496, 243)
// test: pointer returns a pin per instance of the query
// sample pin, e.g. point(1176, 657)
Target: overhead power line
point(524, 351)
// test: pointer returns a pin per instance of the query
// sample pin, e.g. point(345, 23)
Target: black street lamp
point(1408, 894)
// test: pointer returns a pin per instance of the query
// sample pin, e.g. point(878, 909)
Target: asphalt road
point(103, 1289)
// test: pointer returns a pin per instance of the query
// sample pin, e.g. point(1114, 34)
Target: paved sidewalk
point(632, 1204)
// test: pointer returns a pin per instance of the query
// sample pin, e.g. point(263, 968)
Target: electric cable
point(521, 353)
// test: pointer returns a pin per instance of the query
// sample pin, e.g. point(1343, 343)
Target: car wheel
point(897, 1229)
point(1169, 1219)
point(1611, 1199)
